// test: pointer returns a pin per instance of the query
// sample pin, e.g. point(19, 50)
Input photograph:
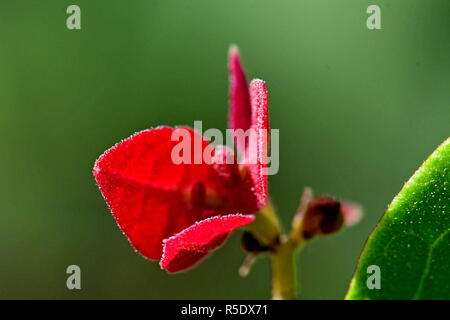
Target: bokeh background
point(358, 111)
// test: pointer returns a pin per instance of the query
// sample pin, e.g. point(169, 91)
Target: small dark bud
point(322, 217)
point(250, 244)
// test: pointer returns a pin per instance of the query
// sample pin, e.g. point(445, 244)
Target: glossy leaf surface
point(411, 243)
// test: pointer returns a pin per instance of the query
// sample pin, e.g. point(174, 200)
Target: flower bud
point(323, 216)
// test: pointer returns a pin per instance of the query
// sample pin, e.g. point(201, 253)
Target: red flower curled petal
point(191, 245)
point(256, 159)
point(152, 198)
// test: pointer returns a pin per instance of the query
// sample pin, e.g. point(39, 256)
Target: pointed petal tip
point(233, 50)
point(239, 102)
point(235, 64)
point(234, 59)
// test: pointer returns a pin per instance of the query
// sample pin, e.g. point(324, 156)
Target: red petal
point(240, 110)
point(188, 247)
point(153, 198)
point(259, 140)
point(147, 193)
point(145, 158)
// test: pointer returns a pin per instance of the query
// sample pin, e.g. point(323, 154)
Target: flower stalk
point(284, 270)
point(282, 251)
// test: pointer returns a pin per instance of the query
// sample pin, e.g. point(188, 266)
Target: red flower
point(178, 213)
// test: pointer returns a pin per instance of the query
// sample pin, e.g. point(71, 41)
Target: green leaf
point(411, 243)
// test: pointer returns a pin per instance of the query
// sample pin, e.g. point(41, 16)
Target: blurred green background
point(358, 111)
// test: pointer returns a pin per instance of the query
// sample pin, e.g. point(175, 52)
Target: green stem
point(284, 270)
point(266, 228)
